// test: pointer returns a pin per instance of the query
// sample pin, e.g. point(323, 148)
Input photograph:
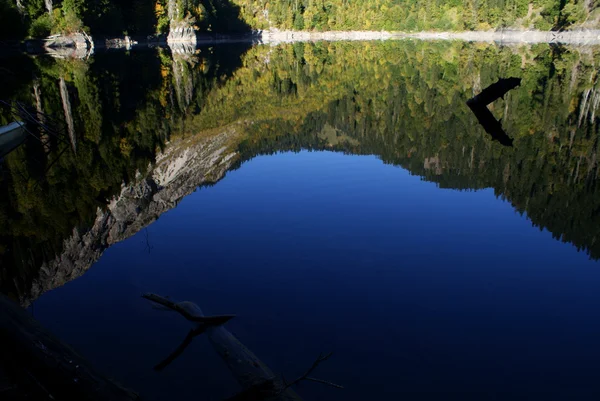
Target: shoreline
point(576, 37)
point(276, 36)
point(81, 46)
point(579, 37)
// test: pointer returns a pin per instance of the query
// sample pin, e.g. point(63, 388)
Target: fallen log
point(186, 309)
point(258, 382)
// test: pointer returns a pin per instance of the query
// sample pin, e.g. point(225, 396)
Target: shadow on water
point(139, 17)
point(135, 18)
point(479, 103)
point(223, 16)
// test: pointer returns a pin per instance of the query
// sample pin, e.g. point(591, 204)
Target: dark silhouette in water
point(495, 90)
point(490, 124)
point(258, 382)
point(478, 105)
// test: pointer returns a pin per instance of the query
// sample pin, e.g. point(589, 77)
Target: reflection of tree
point(41, 213)
point(409, 109)
point(183, 80)
point(118, 106)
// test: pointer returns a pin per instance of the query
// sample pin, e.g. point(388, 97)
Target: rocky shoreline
point(185, 165)
point(81, 45)
point(578, 37)
point(276, 36)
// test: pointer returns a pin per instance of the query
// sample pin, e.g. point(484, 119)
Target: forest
point(39, 18)
point(400, 100)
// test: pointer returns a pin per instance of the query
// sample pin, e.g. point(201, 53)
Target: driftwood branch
point(306, 375)
point(312, 379)
point(209, 320)
point(179, 350)
point(192, 313)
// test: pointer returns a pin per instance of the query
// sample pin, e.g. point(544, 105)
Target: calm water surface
point(335, 197)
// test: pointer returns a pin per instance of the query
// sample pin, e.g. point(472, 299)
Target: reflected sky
point(417, 290)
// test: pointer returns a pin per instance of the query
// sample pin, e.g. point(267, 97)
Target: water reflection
point(256, 379)
point(146, 129)
point(153, 126)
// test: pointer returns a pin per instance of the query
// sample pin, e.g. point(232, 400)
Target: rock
point(181, 34)
point(576, 37)
point(276, 36)
point(75, 40)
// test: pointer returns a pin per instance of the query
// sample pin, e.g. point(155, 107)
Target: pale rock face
point(75, 40)
point(182, 34)
point(275, 36)
point(576, 37)
point(183, 167)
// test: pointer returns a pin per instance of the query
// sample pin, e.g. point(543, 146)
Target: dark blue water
point(421, 293)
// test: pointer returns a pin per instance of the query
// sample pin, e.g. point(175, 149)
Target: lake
point(336, 197)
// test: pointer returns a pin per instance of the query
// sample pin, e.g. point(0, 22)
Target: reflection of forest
point(403, 101)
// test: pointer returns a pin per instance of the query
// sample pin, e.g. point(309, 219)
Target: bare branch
point(312, 379)
point(179, 350)
point(209, 320)
point(316, 363)
point(148, 246)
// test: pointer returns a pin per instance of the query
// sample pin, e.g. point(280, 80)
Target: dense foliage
point(410, 15)
point(403, 101)
point(143, 17)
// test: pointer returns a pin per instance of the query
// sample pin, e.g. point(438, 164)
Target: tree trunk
point(182, 73)
point(172, 10)
point(44, 137)
point(64, 94)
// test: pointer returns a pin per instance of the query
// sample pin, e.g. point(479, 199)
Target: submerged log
point(30, 353)
point(258, 382)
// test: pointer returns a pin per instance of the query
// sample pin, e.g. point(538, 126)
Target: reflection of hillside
point(211, 110)
point(416, 118)
point(183, 167)
point(124, 109)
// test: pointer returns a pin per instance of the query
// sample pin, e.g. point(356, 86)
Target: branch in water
point(179, 350)
point(210, 320)
point(306, 376)
point(312, 379)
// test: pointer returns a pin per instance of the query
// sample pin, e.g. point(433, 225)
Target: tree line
point(37, 18)
point(416, 15)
